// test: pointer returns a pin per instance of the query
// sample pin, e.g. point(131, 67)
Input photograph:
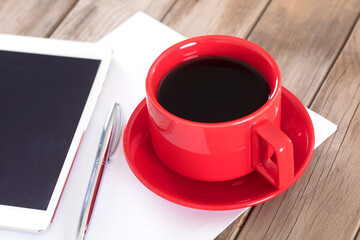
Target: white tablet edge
point(34, 220)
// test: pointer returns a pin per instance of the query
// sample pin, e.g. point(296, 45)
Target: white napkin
point(125, 209)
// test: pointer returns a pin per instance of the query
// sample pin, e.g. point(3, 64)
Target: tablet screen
point(41, 101)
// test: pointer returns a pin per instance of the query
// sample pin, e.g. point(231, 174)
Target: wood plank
point(90, 20)
point(229, 17)
point(305, 37)
point(325, 203)
point(32, 17)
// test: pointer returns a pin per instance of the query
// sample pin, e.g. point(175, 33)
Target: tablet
point(48, 90)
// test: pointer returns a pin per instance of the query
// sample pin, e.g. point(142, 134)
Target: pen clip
point(115, 131)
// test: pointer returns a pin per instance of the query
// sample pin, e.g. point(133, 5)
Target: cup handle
point(279, 168)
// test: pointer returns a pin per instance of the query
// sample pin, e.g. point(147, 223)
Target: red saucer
point(243, 192)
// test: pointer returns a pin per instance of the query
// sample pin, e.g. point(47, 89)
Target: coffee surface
point(213, 89)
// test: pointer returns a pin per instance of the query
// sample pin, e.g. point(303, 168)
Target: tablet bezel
point(34, 220)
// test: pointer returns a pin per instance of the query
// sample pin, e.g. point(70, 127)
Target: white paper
point(322, 127)
point(125, 209)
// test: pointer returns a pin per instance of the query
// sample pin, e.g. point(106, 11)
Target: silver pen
point(108, 142)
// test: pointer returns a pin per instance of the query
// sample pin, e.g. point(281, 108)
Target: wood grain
point(90, 20)
point(305, 37)
point(32, 17)
point(229, 17)
point(325, 203)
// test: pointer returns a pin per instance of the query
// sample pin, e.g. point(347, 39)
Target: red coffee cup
point(225, 150)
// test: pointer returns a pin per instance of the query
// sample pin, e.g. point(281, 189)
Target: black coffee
point(213, 89)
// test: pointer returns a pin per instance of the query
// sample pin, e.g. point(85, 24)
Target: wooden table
point(317, 46)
